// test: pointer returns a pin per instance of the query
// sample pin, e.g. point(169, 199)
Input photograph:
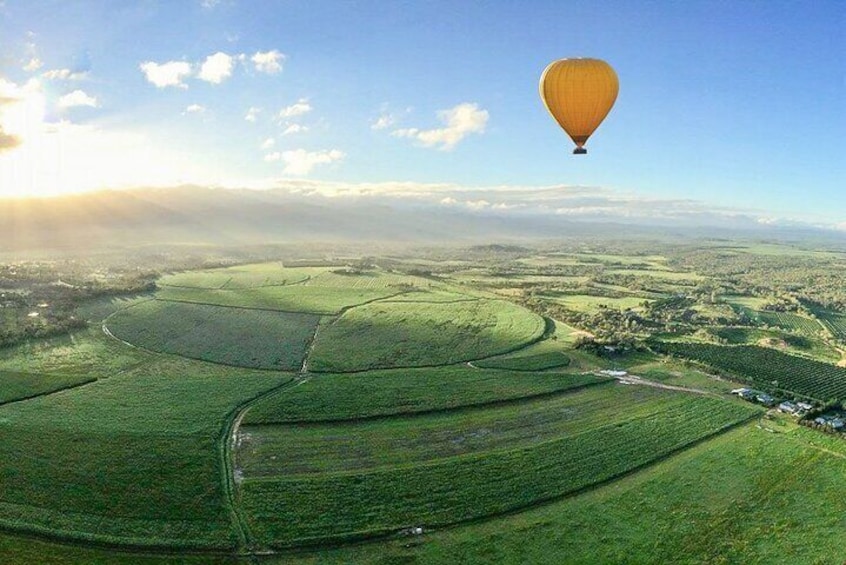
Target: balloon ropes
point(579, 93)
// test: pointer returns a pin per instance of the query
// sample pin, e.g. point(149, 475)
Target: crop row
point(767, 368)
point(335, 506)
point(790, 322)
point(404, 391)
point(536, 362)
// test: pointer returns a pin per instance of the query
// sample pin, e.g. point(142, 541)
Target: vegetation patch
point(536, 362)
point(404, 391)
point(383, 335)
point(233, 336)
point(767, 368)
point(297, 298)
point(16, 386)
point(241, 276)
point(134, 459)
point(334, 506)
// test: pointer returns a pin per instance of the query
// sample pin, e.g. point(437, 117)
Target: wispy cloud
point(33, 65)
point(300, 162)
point(294, 128)
point(459, 121)
point(78, 98)
point(195, 109)
point(162, 75)
point(268, 143)
point(384, 121)
point(252, 114)
point(269, 62)
point(8, 141)
point(299, 108)
point(216, 68)
point(63, 74)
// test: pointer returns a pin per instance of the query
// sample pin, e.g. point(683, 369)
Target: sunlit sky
point(736, 104)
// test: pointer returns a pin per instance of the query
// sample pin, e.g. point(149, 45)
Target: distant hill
point(215, 216)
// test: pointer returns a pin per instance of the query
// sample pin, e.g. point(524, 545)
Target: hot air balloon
point(579, 93)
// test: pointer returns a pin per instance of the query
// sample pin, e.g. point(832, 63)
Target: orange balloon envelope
point(579, 93)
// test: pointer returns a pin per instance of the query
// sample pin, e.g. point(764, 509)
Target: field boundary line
point(437, 411)
point(227, 444)
point(48, 393)
point(367, 537)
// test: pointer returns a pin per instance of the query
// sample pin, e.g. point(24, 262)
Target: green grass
point(532, 362)
point(242, 276)
point(233, 336)
point(657, 274)
point(133, 459)
point(296, 298)
point(354, 446)
point(371, 280)
point(384, 334)
point(766, 368)
point(742, 497)
point(336, 506)
point(88, 353)
point(15, 386)
point(98, 309)
point(404, 391)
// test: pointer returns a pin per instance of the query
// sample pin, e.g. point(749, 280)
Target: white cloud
point(63, 74)
point(268, 143)
point(209, 4)
point(269, 62)
point(295, 128)
point(460, 121)
point(216, 68)
point(383, 122)
point(172, 73)
point(195, 109)
point(299, 108)
point(78, 98)
point(33, 65)
point(252, 114)
point(301, 162)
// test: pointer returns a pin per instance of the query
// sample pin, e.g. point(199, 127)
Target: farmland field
point(154, 428)
point(405, 391)
point(242, 276)
point(384, 335)
point(16, 386)
point(296, 298)
point(834, 322)
point(766, 368)
point(233, 336)
point(287, 510)
point(258, 408)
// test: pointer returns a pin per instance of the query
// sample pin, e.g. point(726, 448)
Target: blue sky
point(731, 104)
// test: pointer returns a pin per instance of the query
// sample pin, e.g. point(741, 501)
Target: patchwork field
point(17, 386)
point(766, 368)
point(405, 391)
point(134, 459)
point(384, 334)
point(233, 336)
point(288, 509)
point(242, 276)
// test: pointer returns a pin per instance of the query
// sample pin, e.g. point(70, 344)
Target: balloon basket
point(579, 151)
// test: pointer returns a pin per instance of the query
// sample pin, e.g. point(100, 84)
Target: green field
point(242, 276)
point(17, 386)
point(790, 322)
point(834, 322)
point(384, 334)
point(233, 336)
point(766, 368)
point(404, 391)
point(296, 298)
point(533, 362)
point(133, 459)
point(741, 497)
point(780, 340)
point(334, 506)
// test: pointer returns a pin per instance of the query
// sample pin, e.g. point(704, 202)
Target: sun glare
point(62, 157)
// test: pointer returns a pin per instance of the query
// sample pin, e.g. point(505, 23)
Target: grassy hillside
point(390, 334)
